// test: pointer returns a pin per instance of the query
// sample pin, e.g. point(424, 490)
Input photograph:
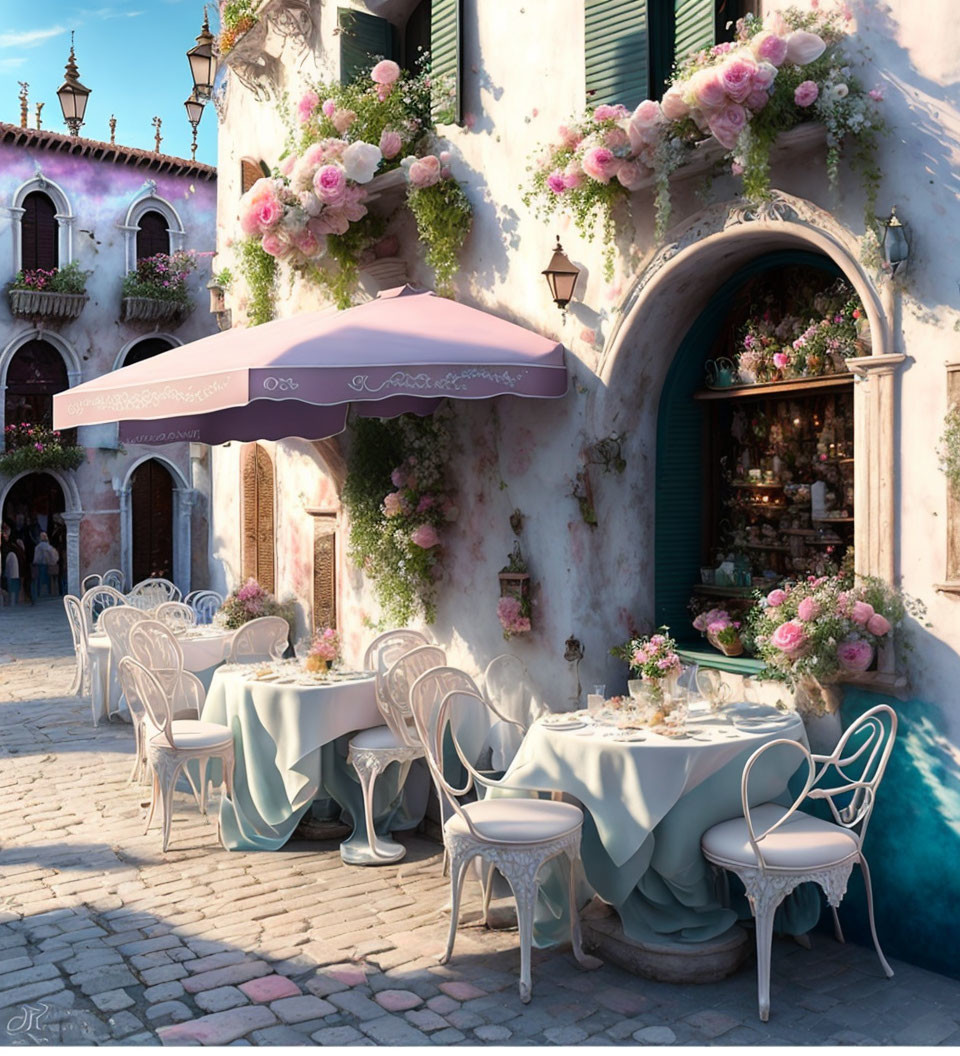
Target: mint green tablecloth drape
point(646, 806)
point(290, 747)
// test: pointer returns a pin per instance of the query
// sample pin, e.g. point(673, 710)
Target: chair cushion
point(518, 820)
point(192, 733)
point(376, 737)
point(802, 842)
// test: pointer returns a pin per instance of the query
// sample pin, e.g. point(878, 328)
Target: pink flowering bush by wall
point(778, 72)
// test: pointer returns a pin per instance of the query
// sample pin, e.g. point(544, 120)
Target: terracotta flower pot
point(734, 648)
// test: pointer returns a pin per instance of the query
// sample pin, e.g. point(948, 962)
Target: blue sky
point(130, 53)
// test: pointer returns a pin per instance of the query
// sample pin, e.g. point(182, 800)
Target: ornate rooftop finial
point(23, 103)
point(40, 106)
point(157, 122)
point(113, 129)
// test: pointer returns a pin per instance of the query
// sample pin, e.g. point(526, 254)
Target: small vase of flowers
point(654, 661)
point(721, 630)
point(324, 651)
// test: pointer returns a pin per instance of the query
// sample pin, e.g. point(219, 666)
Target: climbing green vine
point(443, 215)
point(259, 270)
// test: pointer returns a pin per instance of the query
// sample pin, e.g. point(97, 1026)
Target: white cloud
point(102, 14)
point(6, 65)
point(29, 38)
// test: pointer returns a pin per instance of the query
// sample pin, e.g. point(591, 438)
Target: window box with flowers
point(739, 98)
point(351, 140)
point(29, 447)
point(49, 294)
point(157, 291)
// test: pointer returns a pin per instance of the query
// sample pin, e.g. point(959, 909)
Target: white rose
point(360, 161)
point(310, 203)
point(839, 91)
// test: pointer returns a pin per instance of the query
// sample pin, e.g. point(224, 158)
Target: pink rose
point(736, 76)
point(330, 183)
point(647, 114)
point(600, 164)
point(393, 504)
point(765, 75)
point(862, 611)
point(708, 89)
point(572, 175)
point(329, 107)
point(606, 112)
point(343, 119)
point(425, 536)
point(808, 610)
point(805, 94)
point(570, 137)
point(855, 654)
point(307, 105)
point(804, 47)
point(631, 175)
point(425, 172)
point(757, 99)
point(385, 72)
point(768, 47)
point(790, 638)
point(556, 182)
point(727, 124)
point(673, 106)
point(776, 598)
point(780, 360)
point(616, 139)
point(286, 166)
point(398, 478)
point(275, 246)
point(391, 143)
point(269, 213)
point(878, 625)
point(876, 94)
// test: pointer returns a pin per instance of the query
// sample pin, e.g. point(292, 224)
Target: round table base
point(389, 851)
point(699, 962)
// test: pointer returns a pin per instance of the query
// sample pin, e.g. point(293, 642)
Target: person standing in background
point(11, 570)
point(45, 561)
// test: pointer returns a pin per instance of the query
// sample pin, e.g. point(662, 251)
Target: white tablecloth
point(202, 649)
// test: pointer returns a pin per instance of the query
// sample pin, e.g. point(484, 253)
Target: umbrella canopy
point(404, 351)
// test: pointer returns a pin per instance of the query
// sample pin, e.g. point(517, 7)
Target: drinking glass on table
point(302, 646)
point(596, 699)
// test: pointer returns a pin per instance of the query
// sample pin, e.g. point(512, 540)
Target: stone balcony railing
point(153, 311)
point(46, 305)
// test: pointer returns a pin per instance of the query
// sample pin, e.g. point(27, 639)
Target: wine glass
point(302, 647)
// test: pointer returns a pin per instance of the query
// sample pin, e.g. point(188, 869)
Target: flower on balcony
point(68, 279)
point(236, 17)
point(29, 447)
point(162, 277)
point(778, 72)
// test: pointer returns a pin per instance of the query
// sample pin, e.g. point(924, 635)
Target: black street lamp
point(73, 95)
point(194, 108)
point(893, 242)
point(203, 62)
point(561, 277)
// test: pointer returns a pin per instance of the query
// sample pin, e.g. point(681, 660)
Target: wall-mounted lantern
point(561, 277)
point(893, 242)
point(218, 305)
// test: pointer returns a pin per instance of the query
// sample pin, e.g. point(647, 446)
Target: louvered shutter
point(446, 61)
point(250, 172)
point(151, 497)
point(364, 39)
point(248, 512)
point(39, 233)
point(694, 26)
point(617, 44)
point(153, 236)
point(325, 571)
point(257, 504)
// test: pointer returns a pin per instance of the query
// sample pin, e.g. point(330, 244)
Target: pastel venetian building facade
point(102, 206)
point(524, 71)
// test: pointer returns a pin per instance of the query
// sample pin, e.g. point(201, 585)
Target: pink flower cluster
point(326, 645)
point(714, 621)
point(512, 619)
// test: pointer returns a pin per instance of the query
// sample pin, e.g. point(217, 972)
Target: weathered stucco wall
point(100, 194)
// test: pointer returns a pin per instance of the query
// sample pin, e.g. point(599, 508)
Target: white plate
point(758, 725)
point(565, 724)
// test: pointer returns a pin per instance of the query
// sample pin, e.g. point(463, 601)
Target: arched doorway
point(147, 348)
point(35, 503)
point(36, 372)
point(151, 505)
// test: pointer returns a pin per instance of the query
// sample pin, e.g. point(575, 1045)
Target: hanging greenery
point(779, 72)
point(443, 215)
point(398, 507)
point(259, 270)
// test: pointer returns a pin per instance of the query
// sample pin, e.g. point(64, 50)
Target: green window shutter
point(616, 50)
point(446, 57)
point(364, 39)
point(694, 26)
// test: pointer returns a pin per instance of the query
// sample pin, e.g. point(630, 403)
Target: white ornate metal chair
point(149, 593)
point(793, 847)
point(507, 687)
point(517, 836)
point(89, 582)
point(371, 751)
point(259, 640)
point(171, 743)
point(205, 604)
point(80, 685)
point(113, 577)
point(93, 603)
point(177, 616)
point(116, 623)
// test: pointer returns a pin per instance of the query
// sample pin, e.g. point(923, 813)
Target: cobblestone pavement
point(105, 940)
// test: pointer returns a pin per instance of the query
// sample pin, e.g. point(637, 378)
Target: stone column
point(72, 521)
point(126, 544)
point(183, 500)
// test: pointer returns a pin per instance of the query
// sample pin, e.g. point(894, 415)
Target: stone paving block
point(161, 942)
point(281, 1035)
point(338, 1036)
point(21, 995)
point(270, 988)
point(220, 1028)
point(302, 1008)
point(323, 985)
point(164, 992)
point(626, 1002)
point(123, 1023)
point(216, 960)
point(83, 1028)
point(397, 1000)
point(229, 976)
point(32, 974)
point(464, 1020)
point(425, 1020)
point(442, 1004)
point(168, 1012)
point(13, 964)
point(712, 1022)
point(220, 999)
point(462, 991)
point(450, 1036)
point(357, 1004)
point(143, 961)
point(393, 1030)
point(163, 973)
point(929, 1029)
point(491, 1033)
point(654, 1036)
point(112, 1000)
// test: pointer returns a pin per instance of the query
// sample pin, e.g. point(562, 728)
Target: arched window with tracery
point(36, 372)
point(257, 543)
point(39, 233)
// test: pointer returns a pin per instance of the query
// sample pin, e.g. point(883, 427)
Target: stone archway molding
point(64, 216)
point(675, 283)
point(184, 498)
point(72, 516)
point(147, 200)
point(175, 342)
point(67, 352)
